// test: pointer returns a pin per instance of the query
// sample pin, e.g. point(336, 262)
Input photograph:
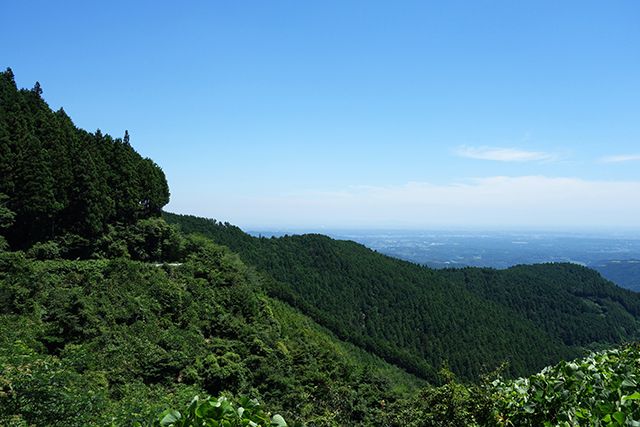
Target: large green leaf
point(169, 418)
point(278, 421)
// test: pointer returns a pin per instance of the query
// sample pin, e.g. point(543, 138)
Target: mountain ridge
point(321, 275)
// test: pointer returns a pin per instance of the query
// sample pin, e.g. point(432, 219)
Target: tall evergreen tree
point(62, 180)
point(33, 199)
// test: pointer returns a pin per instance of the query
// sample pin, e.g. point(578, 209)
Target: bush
point(44, 250)
point(220, 412)
point(40, 390)
point(601, 389)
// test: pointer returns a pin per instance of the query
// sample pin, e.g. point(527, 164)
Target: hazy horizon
point(595, 232)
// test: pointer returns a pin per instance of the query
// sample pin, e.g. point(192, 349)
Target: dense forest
point(105, 340)
point(112, 313)
point(418, 318)
point(65, 185)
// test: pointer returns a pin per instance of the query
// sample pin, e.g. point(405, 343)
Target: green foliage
point(452, 404)
point(40, 390)
point(60, 180)
point(44, 250)
point(7, 216)
point(599, 390)
point(141, 337)
point(571, 303)
point(150, 239)
point(222, 412)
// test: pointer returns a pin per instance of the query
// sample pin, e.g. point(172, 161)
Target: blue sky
point(357, 113)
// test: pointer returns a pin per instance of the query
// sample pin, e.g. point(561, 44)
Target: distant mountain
point(625, 273)
point(614, 254)
point(419, 318)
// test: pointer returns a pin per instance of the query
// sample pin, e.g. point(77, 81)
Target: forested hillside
point(122, 340)
point(418, 318)
point(63, 184)
point(567, 301)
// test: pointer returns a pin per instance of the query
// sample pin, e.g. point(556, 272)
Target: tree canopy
point(63, 183)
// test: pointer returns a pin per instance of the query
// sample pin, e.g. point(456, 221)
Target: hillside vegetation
point(599, 390)
point(85, 342)
point(471, 319)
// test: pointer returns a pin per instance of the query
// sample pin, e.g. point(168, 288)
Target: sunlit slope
point(420, 318)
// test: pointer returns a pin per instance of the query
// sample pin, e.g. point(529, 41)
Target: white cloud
point(500, 201)
point(621, 158)
point(503, 154)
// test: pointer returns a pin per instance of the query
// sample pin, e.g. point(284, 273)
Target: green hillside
point(418, 318)
point(567, 301)
point(106, 339)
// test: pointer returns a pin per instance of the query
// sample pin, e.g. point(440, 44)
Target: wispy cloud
point(502, 154)
point(621, 158)
point(499, 201)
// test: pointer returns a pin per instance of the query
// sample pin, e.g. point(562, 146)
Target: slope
point(419, 318)
point(105, 339)
point(568, 301)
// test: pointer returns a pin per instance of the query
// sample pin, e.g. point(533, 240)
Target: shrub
point(220, 412)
